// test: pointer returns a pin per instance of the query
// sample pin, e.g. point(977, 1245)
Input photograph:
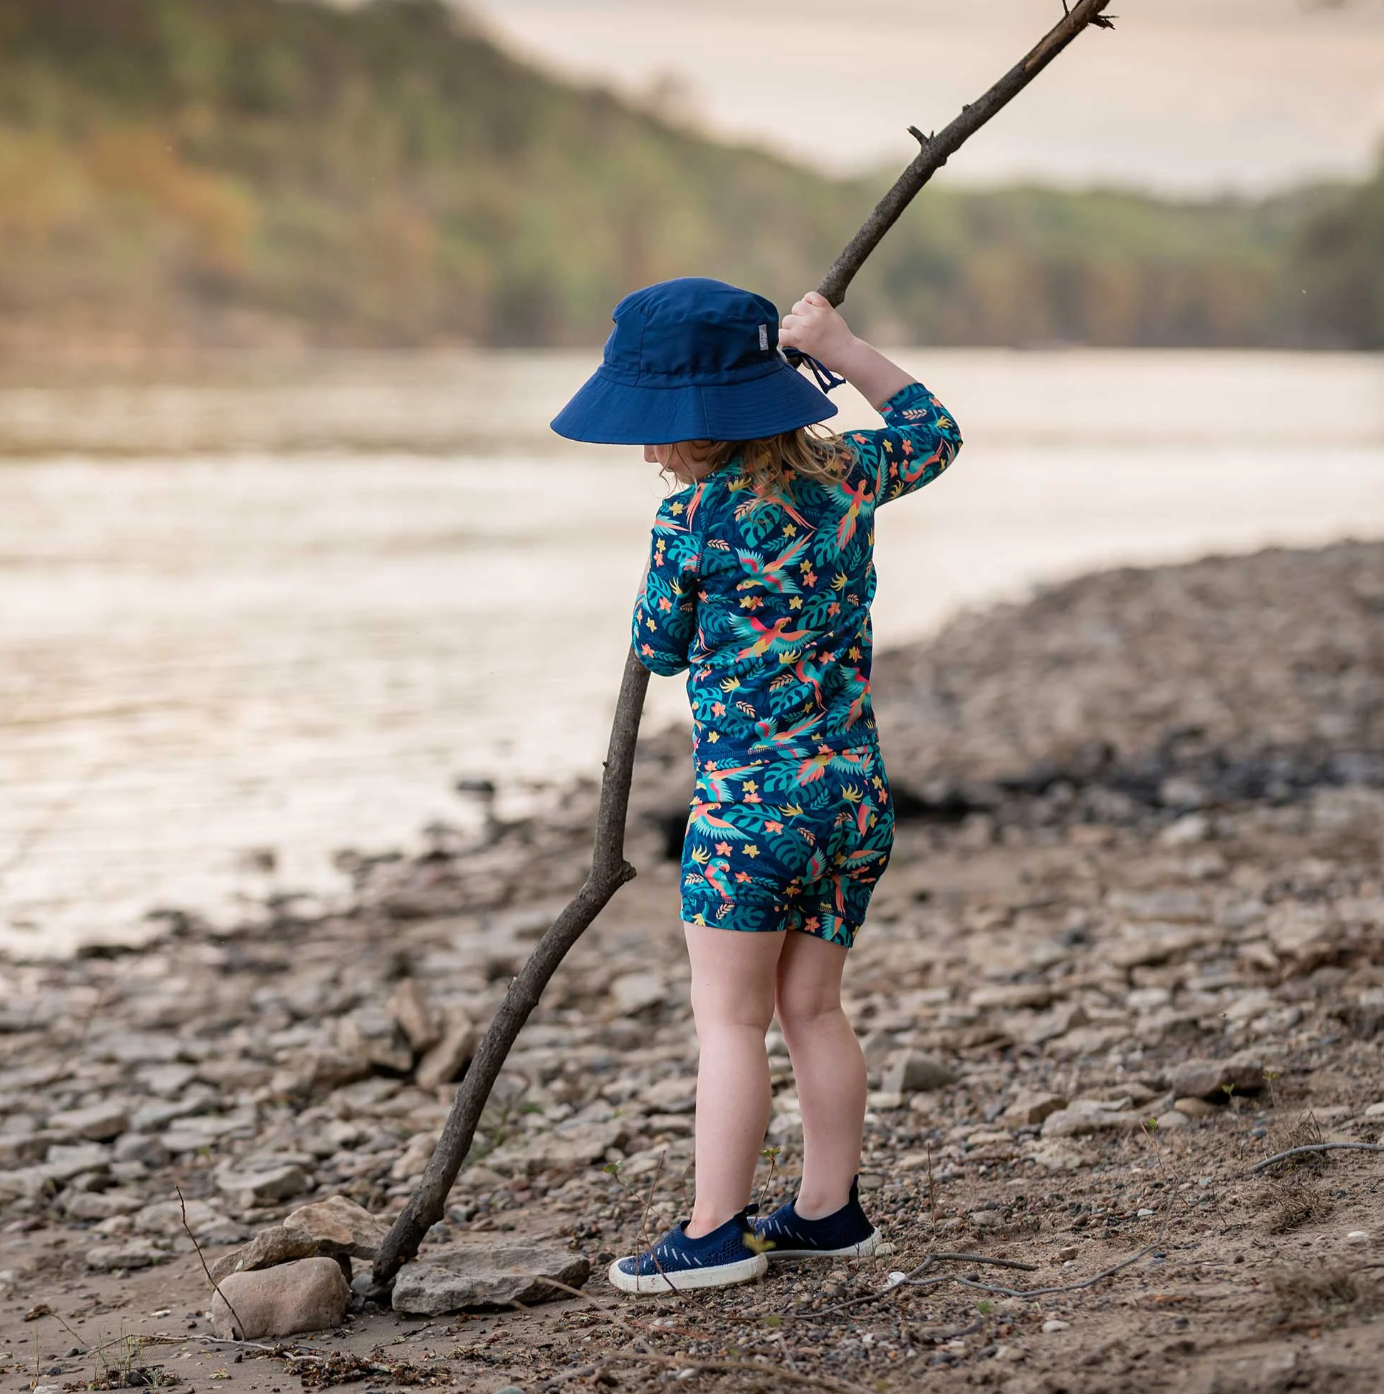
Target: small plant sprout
point(770, 1155)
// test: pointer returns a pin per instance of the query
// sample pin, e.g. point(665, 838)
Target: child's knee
point(732, 1005)
point(801, 1008)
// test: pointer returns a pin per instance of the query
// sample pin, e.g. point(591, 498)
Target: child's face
point(685, 460)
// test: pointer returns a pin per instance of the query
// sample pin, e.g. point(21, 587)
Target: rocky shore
point(1132, 942)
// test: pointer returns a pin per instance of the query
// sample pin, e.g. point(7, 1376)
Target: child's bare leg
point(829, 1067)
point(733, 1003)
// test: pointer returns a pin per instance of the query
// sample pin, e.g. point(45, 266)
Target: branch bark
point(938, 149)
point(609, 869)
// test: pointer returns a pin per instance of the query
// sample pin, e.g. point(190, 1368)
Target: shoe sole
point(864, 1249)
point(685, 1279)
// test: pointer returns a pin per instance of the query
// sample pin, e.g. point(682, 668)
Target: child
point(760, 582)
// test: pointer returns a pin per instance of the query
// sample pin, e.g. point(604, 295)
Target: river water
point(281, 608)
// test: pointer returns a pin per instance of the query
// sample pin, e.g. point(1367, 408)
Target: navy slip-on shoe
point(846, 1233)
point(678, 1263)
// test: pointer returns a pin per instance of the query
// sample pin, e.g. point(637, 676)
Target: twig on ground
point(201, 1258)
point(913, 1278)
point(1316, 1147)
point(984, 1258)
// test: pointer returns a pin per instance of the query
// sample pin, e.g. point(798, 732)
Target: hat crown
point(692, 332)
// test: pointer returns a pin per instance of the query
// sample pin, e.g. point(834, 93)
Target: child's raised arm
point(920, 438)
point(814, 326)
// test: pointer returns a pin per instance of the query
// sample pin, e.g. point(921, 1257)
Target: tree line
point(193, 171)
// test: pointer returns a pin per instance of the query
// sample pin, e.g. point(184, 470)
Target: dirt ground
point(1043, 945)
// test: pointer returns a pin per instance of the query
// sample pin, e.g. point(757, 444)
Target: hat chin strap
point(796, 358)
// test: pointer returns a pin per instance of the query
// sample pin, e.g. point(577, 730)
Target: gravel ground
point(1129, 946)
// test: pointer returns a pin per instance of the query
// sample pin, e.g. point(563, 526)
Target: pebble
point(1358, 1236)
point(1055, 1324)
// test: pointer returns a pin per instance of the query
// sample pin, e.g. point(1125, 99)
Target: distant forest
point(251, 171)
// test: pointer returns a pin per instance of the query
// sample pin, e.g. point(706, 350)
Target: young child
point(760, 582)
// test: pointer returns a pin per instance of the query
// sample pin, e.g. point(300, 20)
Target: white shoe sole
point(685, 1279)
point(864, 1249)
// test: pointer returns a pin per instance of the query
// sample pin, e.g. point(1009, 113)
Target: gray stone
point(99, 1123)
point(269, 1248)
point(25, 1183)
point(125, 1253)
point(164, 1219)
point(633, 992)
point(1086, 1116)
point(415, 1015)
point(150, 1117)
point(374, 1036)
point(1217, 1079)
point(568, 1147)
point(339, 1227)
point(63, 1163)
point(136, 1048)
point(912, 1072)
point(446, 1062)
point(267, 1303)
point(490, 1274)
point(1030, 1107)
point(255, 1180)
point(138, 1147)
point(99, 1205)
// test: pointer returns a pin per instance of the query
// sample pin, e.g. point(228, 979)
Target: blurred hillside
point(196, 172)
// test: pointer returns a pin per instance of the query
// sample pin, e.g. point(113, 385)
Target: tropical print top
point(768, 603)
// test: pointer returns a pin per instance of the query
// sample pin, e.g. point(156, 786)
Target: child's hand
point(815, 327)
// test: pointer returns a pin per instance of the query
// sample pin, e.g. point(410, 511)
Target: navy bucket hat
point(692, 359)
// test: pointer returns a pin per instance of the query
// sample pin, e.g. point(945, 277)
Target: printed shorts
point(788, 844)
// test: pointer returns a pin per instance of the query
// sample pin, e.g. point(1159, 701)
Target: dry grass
point(1294, 1203)
point(1327, 1289)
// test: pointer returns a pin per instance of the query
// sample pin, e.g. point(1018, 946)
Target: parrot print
point(766, 604)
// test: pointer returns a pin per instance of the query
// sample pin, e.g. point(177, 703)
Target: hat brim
point(606, 411)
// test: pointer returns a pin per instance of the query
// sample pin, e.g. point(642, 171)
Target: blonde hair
point(771, 465)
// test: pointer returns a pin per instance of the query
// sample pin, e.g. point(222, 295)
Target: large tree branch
point(937, 149)
point(609, 869)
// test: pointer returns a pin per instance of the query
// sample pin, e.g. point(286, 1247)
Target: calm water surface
point(285, 609)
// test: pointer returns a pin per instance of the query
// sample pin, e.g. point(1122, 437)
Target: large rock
point(484, 1275)
point(269, 1248)
point(1217, 1079)
point(309, 1295)
point(339, 1227)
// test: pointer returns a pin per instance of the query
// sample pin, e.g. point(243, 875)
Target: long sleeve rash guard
point(767, 602)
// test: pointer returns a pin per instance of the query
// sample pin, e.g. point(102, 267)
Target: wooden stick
point(937, 149)
point(609, 869)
